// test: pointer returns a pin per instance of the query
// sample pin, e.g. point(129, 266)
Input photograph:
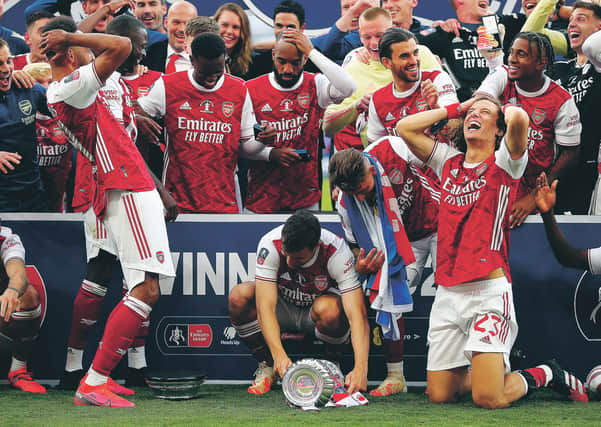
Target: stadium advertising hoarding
point(558, 309)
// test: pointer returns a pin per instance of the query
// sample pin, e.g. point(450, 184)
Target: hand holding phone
point(304, 155)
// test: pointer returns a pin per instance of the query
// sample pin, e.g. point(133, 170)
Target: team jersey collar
point(275, 84)
point(408, 92)
point(538, 92)
point(202, 88)
point(313, 258)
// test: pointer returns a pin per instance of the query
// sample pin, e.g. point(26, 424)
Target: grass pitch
point(231, 405)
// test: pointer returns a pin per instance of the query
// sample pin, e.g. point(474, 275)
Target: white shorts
point(472, 317)
point(293, 318)
point(133, 229)
point(421, 249)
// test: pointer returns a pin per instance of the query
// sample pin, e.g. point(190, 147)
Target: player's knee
point(147, 292)
point(487, 400)
point(437, 395)
point(30, 299)
point(240, 298)
point(100, 268)
point(327, 309)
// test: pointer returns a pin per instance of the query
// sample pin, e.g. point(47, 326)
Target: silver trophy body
point(309, 382)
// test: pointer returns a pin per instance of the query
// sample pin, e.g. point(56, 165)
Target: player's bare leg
point(86, 311)
point(243, 315)
point(393, 352)
point(491, 388)
point(23, 329)
point(448, 386)
point(121, 328)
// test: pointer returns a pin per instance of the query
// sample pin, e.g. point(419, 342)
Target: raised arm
point(516, 137)
point(104, 11)
point(565, 253)
point(412, 127)
point(538, 19)
point(111, 50)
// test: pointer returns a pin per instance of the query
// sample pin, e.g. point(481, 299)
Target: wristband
point(12, 288)
point(454, 111)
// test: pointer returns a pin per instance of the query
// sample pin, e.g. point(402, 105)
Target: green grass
point(233, 406)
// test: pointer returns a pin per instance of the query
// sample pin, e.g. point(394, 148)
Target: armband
point(454, 111)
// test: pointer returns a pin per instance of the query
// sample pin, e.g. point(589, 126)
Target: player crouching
point(305, 282)
point(20, 311)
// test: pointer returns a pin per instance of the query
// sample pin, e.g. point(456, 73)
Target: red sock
point(23, 328)
point(121, 328)
point(394, 350)
point(140, 338)
point(539, 376)
point(86, 310)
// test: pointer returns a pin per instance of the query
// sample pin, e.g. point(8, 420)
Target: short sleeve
point(268, 260)
point(514, 167)
point(494, 84)
point(79, 89)
point(567, 124)
point(155, 103)
point(248, 118)
point(594, 260)
point(341, 268)
point(12, 247)
point(447, 93)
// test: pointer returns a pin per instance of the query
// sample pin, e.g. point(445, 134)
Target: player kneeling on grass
point(473, 320)
point(305, 282)
point(20, 311)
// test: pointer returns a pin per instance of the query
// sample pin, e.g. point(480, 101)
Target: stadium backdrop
point(558, 309)
point(319, 14)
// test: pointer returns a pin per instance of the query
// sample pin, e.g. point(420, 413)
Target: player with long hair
point(473, 320)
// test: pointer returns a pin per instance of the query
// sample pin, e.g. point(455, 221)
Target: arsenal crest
point(227, 108)
point(396, 176)
point(422, 105)
point(57, 131)
point(25, 107)
point(321, 282)
point(143, 91)
point(160, 256)
point(538, 116)
point(303, 100)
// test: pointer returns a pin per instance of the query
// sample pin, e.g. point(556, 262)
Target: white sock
point(136, 358)
point(15, 364)
point(395, 368)
point(74, 359)
point(94, 378)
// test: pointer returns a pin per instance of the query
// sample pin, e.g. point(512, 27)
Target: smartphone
point(304, 155)
point(491, 23)
point(257, 129)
